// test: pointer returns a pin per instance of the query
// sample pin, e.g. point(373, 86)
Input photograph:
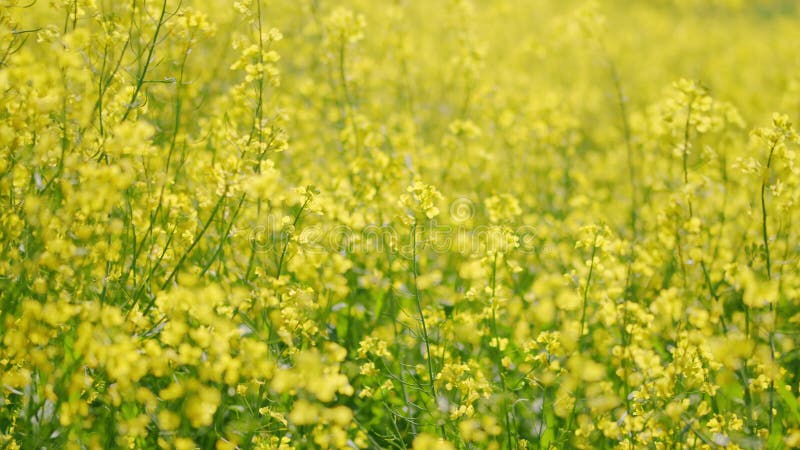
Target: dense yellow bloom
point(422, 198)
point(465, 224)
point(430, 442)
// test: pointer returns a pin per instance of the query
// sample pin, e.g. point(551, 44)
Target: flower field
point(392, 224)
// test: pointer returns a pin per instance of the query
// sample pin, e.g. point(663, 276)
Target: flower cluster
point(168, 169)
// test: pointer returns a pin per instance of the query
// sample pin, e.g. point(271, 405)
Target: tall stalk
point(418, 300)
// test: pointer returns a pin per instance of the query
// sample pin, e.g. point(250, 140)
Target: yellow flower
point(168, 420)
point(304, 413)
point(201, 406)
point(425, 441)
point(183, 443)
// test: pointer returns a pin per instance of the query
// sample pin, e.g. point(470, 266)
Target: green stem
point(289, 237)
point(418, 299)
point(151, 49)
point(497, 351)
point(586, 288)
point(765, 237)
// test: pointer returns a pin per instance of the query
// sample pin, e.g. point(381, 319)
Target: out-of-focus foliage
point(392, 224)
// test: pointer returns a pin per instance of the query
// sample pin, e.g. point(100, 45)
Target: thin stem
point(497, 351)
point(765, 237)
point(398, 348)
point(764, 233)
point(195, 241)
point(418, 299)
point(289, 237)
point(626, 130)
point(586, 288)
point(224, 236)
point(151, 49)
point(686, 150)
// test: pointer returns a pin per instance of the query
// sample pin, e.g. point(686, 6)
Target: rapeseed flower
point(429, 225)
